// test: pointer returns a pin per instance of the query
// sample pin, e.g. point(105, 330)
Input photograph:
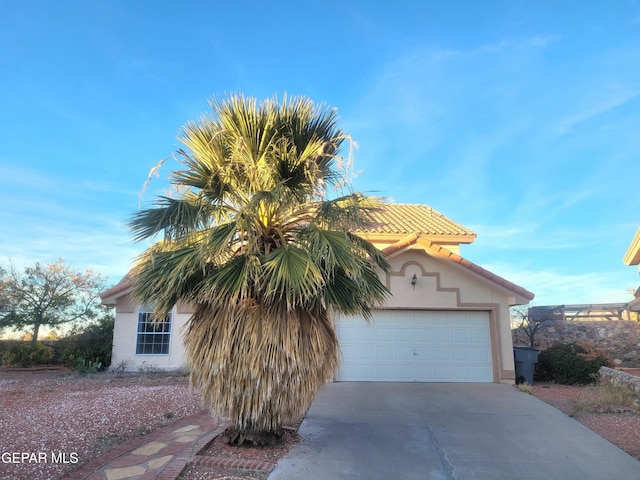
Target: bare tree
point(530, 324)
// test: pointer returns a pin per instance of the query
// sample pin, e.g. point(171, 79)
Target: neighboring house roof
point(632, 257)
point(439, 251)
point(394, 221)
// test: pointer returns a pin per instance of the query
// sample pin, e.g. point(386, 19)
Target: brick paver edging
point(177, 465)
point(96, 464)
point(232, 463)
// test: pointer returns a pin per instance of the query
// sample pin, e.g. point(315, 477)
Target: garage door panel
point(443, 373)
point(441, 335)
point(402, 374)
point(461, 338)
point(416, 346)
point(386, 353)
point(405, 353)
point(355, 332)
point(479, 337)
point(461, 354)
point(479, 355)
point(423, 335)
point(423, 353)
point(405, 335)
point(442, 354)
point(462, 373)
point(384, 334)
point(424, 371)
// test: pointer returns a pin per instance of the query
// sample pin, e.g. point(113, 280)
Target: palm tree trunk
point(260, 366)
point(260, 438)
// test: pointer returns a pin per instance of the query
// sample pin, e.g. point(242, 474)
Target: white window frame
point(161, 330)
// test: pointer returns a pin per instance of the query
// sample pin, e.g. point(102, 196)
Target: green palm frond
point(331, 250)
point(230, 283)
point(289, 274)
point(177, 218)
point(219, 243)
point(377, 257)
point(165, 275)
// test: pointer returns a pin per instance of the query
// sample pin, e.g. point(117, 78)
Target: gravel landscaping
point(67, 419)
point(64, 419)
point(590, 405)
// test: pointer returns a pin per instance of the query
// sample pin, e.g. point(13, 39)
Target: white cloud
point(105, 247)
point(598, 107)
point(557, 287)
point(500, 46)
point(80, 221)
point(525, 236)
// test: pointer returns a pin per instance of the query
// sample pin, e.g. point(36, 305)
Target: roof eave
point(632, 257)
point(374, 237)
point(522, 295)
point(109, 297)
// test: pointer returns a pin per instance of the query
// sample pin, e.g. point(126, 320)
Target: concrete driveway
point(405, 431)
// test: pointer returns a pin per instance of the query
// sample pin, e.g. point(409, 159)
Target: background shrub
point(93, 344)
point(5, 345)
point(27, 354)
point(574, 363)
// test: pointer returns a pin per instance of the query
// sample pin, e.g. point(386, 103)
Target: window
point(154, 335)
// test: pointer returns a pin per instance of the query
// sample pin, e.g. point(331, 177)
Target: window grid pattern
point(153, 335)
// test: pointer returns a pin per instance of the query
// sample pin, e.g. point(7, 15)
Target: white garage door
point(416, 346)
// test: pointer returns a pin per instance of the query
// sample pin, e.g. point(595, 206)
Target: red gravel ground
point(64, 417)
point(86, 415)
point(618, 424)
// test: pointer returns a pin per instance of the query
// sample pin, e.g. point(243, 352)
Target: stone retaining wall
point(620, 339)
point(618, 377)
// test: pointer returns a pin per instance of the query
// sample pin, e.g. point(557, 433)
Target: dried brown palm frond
point(261, 366)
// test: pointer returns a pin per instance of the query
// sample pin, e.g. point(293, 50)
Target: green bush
point(574, 363)
point(93, 343)
point(5, 345)
point(27, 354)
point(84, 366)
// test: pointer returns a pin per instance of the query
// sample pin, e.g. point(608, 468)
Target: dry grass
point(523, 387)
point(604, 397)
point(607, 393)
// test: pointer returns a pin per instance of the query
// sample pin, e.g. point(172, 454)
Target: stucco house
point(632, 257)
point(446, 321)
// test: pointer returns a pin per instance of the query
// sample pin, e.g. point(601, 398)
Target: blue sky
point(517, 119)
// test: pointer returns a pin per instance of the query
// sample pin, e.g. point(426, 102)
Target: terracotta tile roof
point(394, 218)
point(121, 287)
point(454, 257)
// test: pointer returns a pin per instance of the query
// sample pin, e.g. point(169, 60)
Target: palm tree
point(253, 241)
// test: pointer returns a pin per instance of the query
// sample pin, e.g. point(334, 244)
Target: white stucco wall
point(124, 355)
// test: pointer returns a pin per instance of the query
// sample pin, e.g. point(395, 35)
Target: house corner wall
point(124, 357)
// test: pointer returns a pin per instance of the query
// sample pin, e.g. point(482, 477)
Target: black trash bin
point(526, 359)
